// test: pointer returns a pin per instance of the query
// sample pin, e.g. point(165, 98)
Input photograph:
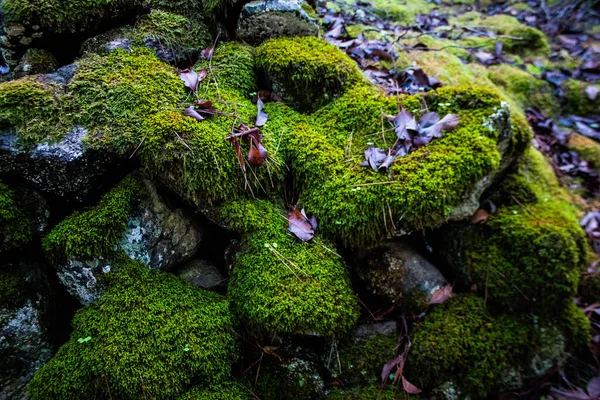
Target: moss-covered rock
point(401, 12)
point(576, 98)
point(588, 149)
point(16, 226)
point(222, 391)
point(36, 110)
point(282, 285)
point(306, 71)
point(150, 336)
point(460, 341)
point(529, 253)
point(35, 61)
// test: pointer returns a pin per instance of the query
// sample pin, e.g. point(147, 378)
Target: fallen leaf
point(191, 112)
point(479, 217)
point(403, 123)
point(592, 92)
point(593, 387)
point(389, 366)
point(441, 295)
point(299, 225)
point(261, 117)
point(207, 53)
point(409, 387)
point(190, 78)
point(257, 154)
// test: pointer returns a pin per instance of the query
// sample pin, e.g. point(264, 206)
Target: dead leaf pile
point(300, 225)
point(410, 136)
point(591, 225)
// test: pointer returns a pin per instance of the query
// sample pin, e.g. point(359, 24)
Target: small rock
point(35, 61)
point(203, 274)
point(398, 273)
point(66, 169)
point(266, 19)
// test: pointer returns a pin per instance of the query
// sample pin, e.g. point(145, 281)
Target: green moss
point(531, 41)
point(361, 360)
point(577, 100)
point(284, 285)
point(462, 342)
point(424, 186)
point(189, 8)
point(289, 378)
point(373, 392)
point(35, 61)
point(36, 110)
point(524, 89)
point(222, 391)
point(589, 288)
point(587, 148)
point(15, 225)
point(369, 32)
point(11, 291)
point(306, 71)
point(401, 12)
point(575, 325)
point(150, 336)
point(94, 232)
point(309, 11)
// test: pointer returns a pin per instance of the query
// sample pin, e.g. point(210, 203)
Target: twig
point(242, 134)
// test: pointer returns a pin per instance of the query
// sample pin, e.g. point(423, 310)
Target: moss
point(576, 326)
point(424, 186)
point(36, 110)
point(462, 342)
point(524, 89)
point(281, 284)
point(15, 225)
point(369, 32)
point(114, 93)
point(94, 232)
point(306, 71)
point(531, 41)
point(189, 8)
point(589, 288)
point(289, 378)
point(576, 99)
point(372, 392)
point(177, 33)
point(309, 10)
point(361, 360)
point(35, 61)
point(401, 12)
point(11, 291)
point(150, 336)
point(588, 149)
point(530, 252)
point(222, 391)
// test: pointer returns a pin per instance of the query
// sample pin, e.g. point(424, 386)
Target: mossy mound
point(35, 61)
point(15, 225)
point(530, 252)
point(223, 391)
point(577, 100)
point(281, 284)
point(94, 232)
point(35, 110)
point(421, 189)
point(461, 342)
point(150, 336)
point(11, 292)
point(525, 89)
point(307, 71)
point(588, 149)
point(516, 37)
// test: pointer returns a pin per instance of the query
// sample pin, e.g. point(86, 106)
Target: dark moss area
point(11, 291)
point(15, 225)
point(150, 336)
point(373, 392)
point(283, 285)
point(222, 391)
point(94, 232)
point(576, 99)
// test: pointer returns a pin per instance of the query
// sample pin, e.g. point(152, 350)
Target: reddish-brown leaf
point(441, 295)
point(389, 366)
point(299, 225)
point(409, 387)
point(238, 153)
point(479, 217)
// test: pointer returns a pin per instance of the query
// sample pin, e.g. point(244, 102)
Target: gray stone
point(24, 342)
point(67, 169)
point(61, 76)
point(202, 274)
point(157, 235)
point(395, 271)
point(266, 19)
point(388, 328)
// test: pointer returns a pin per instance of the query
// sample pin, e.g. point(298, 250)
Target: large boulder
point(398, 273)
point(267, 19)
point(133, 218)
point(25, 304)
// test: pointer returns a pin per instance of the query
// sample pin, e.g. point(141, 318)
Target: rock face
point(157, 235)
point(66, 169)
point(398, 273)
point(265, 19)
point(202, 274)
point(24, 344)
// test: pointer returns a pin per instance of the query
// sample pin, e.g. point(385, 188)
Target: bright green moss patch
point(33, 108)
point(577, 100)
point(401, 12)
point(356, 204)
point(15, 225)
point(576, 326)
point(525, 89)
point(222, 391)
point(306, 71)
point(460, 341)
point(150, 336)
point(588, 149)
point(281, 284)
point(94, 232)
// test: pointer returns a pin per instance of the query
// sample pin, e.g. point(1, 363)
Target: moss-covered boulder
point(221, 391)
point(150, 336)
point(577, 100)
point(529, 253)
point(283, 285)
point(35, 61)
point(588, 149)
